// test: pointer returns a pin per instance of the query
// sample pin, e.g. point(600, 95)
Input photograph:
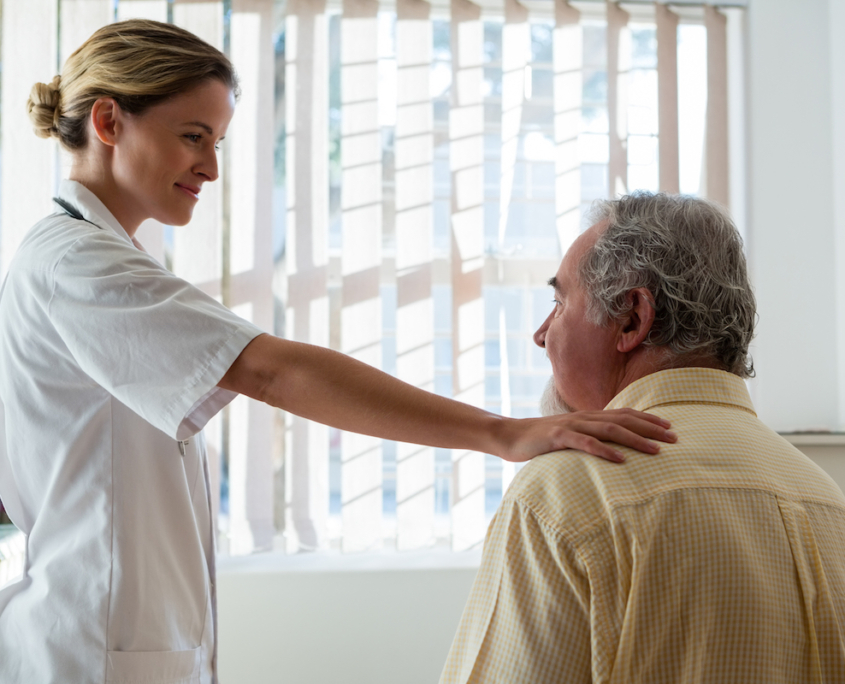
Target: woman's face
point(162, 157)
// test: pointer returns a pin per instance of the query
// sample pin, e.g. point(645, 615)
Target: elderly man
point(721, 560)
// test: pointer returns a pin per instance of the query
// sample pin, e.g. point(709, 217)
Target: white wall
point(353, 620)
point(795, 108)
point(837, 79)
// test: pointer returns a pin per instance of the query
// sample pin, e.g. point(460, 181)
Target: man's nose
point(540, 334)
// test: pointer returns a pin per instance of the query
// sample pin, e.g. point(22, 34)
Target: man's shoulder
point(574, 492)
point(566, 490)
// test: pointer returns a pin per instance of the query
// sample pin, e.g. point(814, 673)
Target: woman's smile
point(190, 190)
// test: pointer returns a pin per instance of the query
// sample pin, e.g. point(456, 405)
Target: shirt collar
point(685, 386)
point(91, 208)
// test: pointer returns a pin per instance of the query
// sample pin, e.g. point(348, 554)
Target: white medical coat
point(107, 362)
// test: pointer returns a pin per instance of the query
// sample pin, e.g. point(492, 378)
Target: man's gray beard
point(551, 403)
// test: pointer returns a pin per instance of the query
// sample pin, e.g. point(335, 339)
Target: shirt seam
point(111, 539)
point(525, 503)
point(563, 537)
point(59, 261)
point(589, 529)
point(200, 455)
point(701, 402)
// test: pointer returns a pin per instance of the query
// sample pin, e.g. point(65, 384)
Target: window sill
point(800, 439)
point(422, 560)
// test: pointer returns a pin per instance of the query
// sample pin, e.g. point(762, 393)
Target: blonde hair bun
point(43, 107)
point(138, 63)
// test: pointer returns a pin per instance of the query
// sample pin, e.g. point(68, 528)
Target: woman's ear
point(104, 120)
point(636, 326)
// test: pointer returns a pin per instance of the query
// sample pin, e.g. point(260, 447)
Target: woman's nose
point(209, 166)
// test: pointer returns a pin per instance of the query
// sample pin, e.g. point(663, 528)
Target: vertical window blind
point(398, 183)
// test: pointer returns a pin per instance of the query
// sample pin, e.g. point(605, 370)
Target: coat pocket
point(153, 667)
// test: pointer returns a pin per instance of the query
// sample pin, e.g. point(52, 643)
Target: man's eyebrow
point(552, 282)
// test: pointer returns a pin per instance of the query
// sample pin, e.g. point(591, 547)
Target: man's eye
point(193, 137)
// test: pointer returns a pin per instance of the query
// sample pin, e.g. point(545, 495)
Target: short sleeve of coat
point(154, 341)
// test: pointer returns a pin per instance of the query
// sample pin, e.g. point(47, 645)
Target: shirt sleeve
point(154, 341)
point(527, 619)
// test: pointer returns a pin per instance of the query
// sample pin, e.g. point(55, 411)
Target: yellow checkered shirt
point(722, 559)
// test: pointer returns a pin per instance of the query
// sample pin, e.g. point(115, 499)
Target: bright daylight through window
point(429, 163)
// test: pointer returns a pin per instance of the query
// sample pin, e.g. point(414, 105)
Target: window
point(483, 124)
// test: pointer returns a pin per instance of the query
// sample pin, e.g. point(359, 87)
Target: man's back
point(720, 560)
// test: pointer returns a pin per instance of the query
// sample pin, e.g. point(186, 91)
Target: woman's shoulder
point(47, 243)
point(52, 235)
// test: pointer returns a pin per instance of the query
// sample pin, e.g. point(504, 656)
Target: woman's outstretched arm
point(335, 389)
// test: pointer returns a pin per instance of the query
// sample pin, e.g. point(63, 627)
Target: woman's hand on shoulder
point(587, 431)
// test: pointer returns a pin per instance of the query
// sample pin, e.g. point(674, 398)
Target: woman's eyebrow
point(205, 127)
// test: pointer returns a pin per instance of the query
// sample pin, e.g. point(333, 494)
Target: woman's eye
point(193, 137)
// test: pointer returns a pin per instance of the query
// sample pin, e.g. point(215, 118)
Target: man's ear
point(105, 113)
point(636, 326)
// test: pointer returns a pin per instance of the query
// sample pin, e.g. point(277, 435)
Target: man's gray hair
point(688, 254)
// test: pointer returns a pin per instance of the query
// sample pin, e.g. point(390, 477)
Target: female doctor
point(110, 366)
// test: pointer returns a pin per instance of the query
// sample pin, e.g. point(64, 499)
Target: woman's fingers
point(641, 415)
point(629, 428)
point(594, 447)
point(612, 432)
point(589, 431)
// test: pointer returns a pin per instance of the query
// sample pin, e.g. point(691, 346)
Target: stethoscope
point(71, 210)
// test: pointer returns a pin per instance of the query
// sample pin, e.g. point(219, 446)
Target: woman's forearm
point(335, 389)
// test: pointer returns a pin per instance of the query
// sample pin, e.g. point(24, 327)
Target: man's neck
point(648, 360)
